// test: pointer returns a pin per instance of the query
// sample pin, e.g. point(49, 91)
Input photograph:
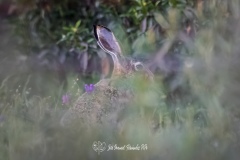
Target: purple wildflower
point(89, 88)
point(65, 99)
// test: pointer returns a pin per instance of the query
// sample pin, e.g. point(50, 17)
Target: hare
point(105, 102)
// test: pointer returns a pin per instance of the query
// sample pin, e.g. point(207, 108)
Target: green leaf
point(90, 40)
point(156, 4)
point(66, 28)
point(138, 2)
point(161, 20)
point(77, 23)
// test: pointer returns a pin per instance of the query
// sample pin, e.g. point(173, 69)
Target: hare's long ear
point(106, 40)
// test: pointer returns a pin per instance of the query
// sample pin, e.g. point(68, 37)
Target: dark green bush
point(69, 24)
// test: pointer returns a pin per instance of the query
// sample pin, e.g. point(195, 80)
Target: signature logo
point(99, 146)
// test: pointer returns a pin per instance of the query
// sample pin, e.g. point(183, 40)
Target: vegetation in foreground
point(197, 109)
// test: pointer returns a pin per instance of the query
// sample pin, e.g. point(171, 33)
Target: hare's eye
point(138, 66)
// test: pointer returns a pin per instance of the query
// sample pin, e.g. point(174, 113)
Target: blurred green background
point(48, 50)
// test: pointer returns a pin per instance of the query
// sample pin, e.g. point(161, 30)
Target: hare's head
point(122, 66)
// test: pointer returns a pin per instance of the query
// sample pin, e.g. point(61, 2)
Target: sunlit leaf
point(78, 24)
point(161, 20)
point(150, 35)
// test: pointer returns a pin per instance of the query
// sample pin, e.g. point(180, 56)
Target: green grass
point(202, 122)
point(198, 130)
